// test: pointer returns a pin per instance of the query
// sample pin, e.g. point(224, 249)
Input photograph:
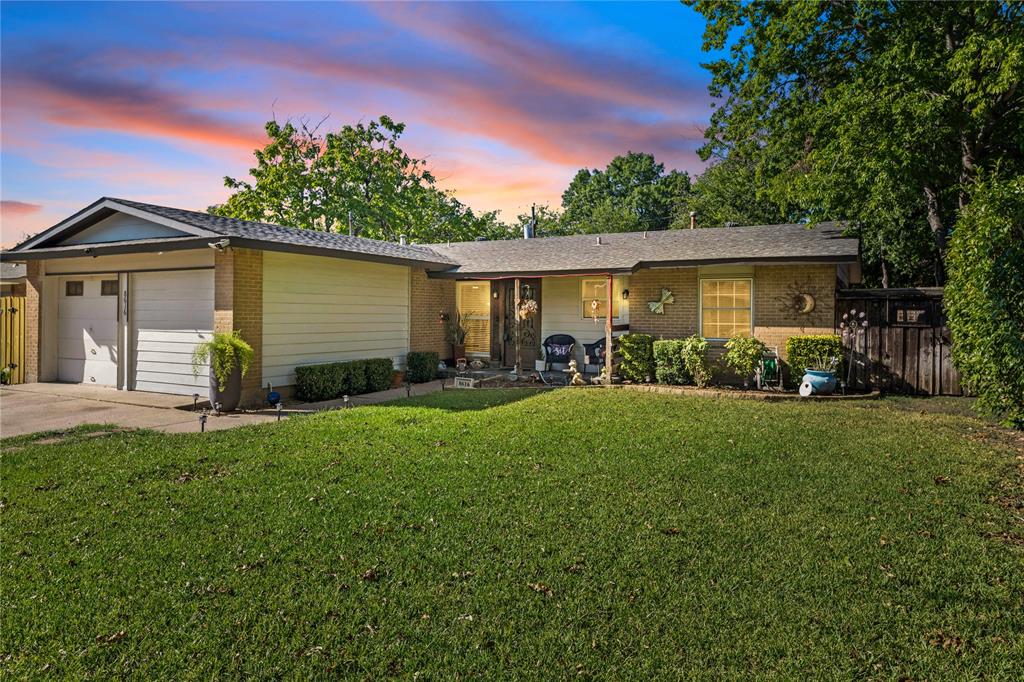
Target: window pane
point(108, 287)
point(742, 294)
point(597, 290)
point(74, 288)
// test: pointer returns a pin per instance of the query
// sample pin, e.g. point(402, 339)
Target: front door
point(529, 329)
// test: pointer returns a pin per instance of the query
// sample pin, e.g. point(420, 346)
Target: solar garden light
point(279, 406)
point(344, 402)
point(408, 386)
point(202, 422)
point(216, 408)
point(195, 402)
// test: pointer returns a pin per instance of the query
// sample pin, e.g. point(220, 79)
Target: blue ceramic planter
point(823, 383)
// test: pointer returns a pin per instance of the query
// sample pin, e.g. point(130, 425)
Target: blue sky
point(159, 101)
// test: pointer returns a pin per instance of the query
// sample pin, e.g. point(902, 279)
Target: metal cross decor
point(658, 307)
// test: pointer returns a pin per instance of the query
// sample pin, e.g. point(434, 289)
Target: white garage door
point(87, 330)
point(171, 313)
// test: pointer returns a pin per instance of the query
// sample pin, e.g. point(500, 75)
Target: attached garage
point(120, 293)
point(171, 313)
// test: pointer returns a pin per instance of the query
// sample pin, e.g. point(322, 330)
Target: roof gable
point(121, 227)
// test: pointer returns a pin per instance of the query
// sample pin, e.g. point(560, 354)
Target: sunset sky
point(157, 102)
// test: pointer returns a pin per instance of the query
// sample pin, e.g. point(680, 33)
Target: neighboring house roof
point(201, 228)
point(11, 271)
point(578, 254)
point(625, 252)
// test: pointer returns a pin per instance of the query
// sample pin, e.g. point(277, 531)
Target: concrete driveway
point(29, 408)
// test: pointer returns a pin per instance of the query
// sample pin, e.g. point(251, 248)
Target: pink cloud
point(10, 208)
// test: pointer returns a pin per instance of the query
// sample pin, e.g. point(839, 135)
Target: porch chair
point(558, 348)
point(593, 355)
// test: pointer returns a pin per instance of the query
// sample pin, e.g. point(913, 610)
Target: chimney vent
point(402, 240)
point(599, 240)
point(528, 230)
point(693, 219)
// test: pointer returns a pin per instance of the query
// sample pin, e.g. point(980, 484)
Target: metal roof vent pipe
point(531, 224)
point(693, 220)
point(402, 240)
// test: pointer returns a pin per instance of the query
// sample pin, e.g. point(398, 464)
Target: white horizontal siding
point(562, 310)
point(319, 309)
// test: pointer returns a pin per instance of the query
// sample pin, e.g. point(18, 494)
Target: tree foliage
point(306, 179)
point(878, 112)
point(985, 297)
point(726, 193)
point(632, 193)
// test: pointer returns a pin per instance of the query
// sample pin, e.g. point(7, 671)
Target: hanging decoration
point(527, 309)
point(594, 306)
point(658, 307)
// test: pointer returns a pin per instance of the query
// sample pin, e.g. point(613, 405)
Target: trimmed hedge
point(810, 350)
point(421, 366)
point(314, 383)
point(669, 367)
point(637, 357)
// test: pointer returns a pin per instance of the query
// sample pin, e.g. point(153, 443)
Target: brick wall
point(238, 305)
point(33, 304)
point(774, 286)
point(428, 297)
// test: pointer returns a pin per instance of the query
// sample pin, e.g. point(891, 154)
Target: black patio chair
point(558, 348)
point(593, 355)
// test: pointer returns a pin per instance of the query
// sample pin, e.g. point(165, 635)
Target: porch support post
point(518, 368)
point(608, 354)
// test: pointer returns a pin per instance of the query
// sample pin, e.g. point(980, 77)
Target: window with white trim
point(594, 298)
point(726, 308)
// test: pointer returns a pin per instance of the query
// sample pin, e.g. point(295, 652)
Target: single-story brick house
point(119, 293)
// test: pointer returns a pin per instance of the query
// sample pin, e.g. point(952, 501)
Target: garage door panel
point(87, 333)
point(171, 312)
point(87, 371)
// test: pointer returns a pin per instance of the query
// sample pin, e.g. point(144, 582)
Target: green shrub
point(379, 372)
point(668, 362)
point(637, 357)
point(314, 383)
point(421, 366)
point(695, 359)
point(742, 355)
point(984, 298)
point(224, 352)
point(813, 351)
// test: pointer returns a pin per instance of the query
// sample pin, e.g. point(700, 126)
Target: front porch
point(529, 323)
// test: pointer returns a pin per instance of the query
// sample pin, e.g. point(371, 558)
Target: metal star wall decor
point(658, 307)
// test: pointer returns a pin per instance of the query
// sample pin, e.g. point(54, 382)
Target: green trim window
point(726, 308)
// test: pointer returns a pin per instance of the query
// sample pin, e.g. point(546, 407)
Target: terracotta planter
point(232, 393)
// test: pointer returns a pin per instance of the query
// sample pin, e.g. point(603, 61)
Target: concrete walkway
point(30, 408)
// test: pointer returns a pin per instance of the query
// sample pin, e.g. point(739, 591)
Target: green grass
point(511, 534)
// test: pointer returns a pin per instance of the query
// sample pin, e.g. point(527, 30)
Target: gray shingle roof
point(626, 251)
point(619, 252)
point(10, 271)
point(267, 232)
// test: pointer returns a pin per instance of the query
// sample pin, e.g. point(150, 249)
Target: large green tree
point(306, 179)
point(726, 193)
point(879, 112)
point(632, 193)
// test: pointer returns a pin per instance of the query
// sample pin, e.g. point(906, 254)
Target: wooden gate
point(906, 346)
point(12, 337)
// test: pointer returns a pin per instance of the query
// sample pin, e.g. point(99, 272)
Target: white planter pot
point(538, 365)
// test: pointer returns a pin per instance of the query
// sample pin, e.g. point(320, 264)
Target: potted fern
point(229, 357)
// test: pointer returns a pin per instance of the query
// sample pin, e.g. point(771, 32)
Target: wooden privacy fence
point(906, 347)
point(12, 337)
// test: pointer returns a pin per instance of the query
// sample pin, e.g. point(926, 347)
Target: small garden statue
point(575, 378)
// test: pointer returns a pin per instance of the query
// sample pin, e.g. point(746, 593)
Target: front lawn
point(513, 534)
